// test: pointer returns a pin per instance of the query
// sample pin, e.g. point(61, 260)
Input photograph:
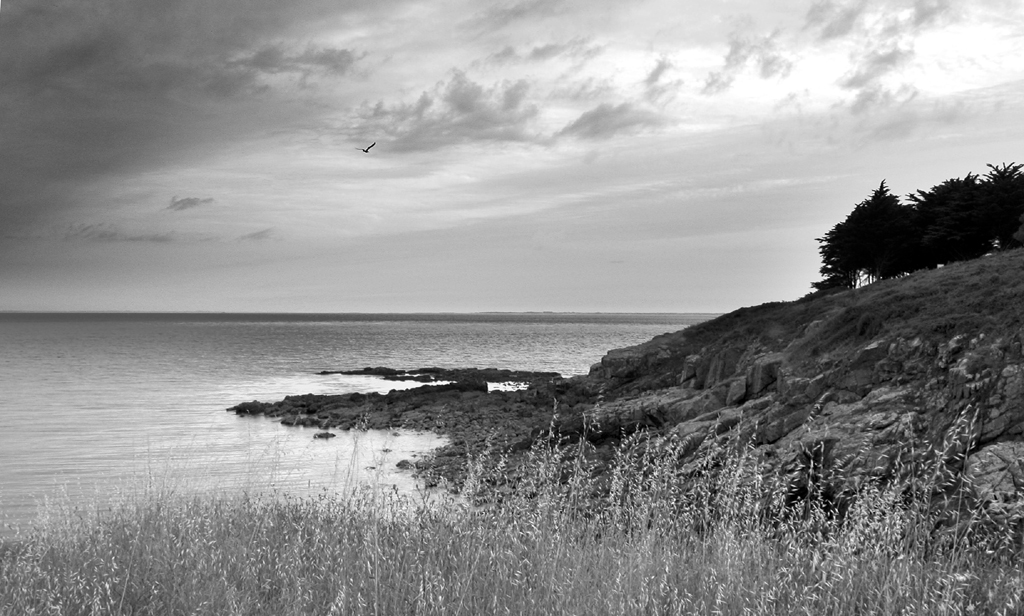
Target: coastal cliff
point(918, 375)
point(921, 375)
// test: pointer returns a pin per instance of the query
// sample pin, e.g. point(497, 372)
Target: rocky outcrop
point(472, 418)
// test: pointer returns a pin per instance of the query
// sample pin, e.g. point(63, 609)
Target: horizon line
point(444, 312)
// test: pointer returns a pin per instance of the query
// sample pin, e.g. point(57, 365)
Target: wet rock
point(249, 408)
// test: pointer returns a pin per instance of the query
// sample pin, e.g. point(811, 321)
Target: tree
point(956, 220)
point(951, 221)
point(1003, 204)
point(838, 268)
point(875, 241)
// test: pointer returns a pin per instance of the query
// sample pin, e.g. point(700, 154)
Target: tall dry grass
point(542, 537)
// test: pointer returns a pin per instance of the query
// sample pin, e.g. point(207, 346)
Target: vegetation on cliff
point(957, 220)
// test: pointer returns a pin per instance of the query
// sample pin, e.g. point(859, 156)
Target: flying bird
point(367, 148)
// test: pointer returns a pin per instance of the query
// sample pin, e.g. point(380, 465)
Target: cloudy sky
point(566, 155)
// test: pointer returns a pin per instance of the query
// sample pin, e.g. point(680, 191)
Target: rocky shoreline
point(460, 407)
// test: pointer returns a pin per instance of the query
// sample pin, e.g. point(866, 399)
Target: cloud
point(867, 80)
point(497, 17)
point(273, 59)
point(456, 111)
point(928, 12)
point(119, 86)
point(655, 86)
point(103, 232)
point(187, 203)
point(886, 32)
point(762, 52)
point(834, 19)
point(589, 89)
point(257, 236)
point(655, 75)
point(877, 96)
point(874, 65)
point(578, 49)
point(607, 120)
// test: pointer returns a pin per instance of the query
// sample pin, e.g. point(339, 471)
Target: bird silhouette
point(367, 148)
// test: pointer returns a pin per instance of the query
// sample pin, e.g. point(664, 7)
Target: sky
point(531, 155)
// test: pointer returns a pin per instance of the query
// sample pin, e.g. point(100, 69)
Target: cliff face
point(919, 374)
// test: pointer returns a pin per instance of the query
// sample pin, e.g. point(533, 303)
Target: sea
point(96, 408)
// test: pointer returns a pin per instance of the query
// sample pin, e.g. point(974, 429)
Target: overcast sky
point(566, 155)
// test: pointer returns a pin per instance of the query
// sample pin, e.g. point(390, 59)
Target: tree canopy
point(956, 220)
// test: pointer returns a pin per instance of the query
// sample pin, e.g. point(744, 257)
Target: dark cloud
point(655, 75)
point(834, 19)
point(608, 120)
point(457, 111)
point(874, 65)
point(187, 203)
point(273, 59)
point(104, 87)
point(102, 232)
point(656, 87)
point(762, 52)
point(927, 12)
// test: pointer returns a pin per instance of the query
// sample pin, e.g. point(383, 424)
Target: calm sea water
point(100, 404)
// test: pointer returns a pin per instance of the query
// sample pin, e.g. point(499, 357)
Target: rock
point(300, 420)
point(722, 365)
point(996, 474)
point(737, 392)
point(405, 465)
point(870, 355)
point(324, 434)
point(249, 408)
point(763, 374)
point(631, 361)
point(688, 375)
